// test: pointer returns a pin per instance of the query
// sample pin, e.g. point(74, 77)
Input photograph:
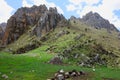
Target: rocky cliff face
point(3, 26)
point(1, 33)
point(95, 20)
point(2, 30)
point(39, 17)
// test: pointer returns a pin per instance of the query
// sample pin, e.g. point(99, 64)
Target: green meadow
point(34, 65)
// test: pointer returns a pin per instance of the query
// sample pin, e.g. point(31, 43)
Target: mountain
point(1, 33)
point(86, 41)
point(38, 18)
point(40, 44)
point(3, 25)
point(95, 20)
point(2, 30)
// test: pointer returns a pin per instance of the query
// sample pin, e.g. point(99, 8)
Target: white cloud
point(91, 2)
point(50, 4)
point(26, 4)
point(39, 2)
point(75, 2)
point(105, 9)
point(88, 2)
point(5, 11)
point(71, 7)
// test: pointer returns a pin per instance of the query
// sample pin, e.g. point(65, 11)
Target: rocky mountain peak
point(39, 17)
point(95, 20)
point(73, 18)
point(2, 30)
point(3, 26)
point(53, 9)
point(92, 15)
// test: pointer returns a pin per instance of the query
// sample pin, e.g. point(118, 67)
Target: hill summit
point(95, 20)
point(41, 19)
point(86, 41)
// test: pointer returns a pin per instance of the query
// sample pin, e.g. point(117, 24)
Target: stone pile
point(62, 75)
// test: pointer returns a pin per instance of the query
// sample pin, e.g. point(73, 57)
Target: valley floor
point(34, 66)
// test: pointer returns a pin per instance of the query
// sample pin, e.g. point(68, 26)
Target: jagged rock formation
point(3, 25)
point(25, 18)
point(73, 18)
point(48, 21)
point(2, 30)
point(119, 36)
point(1, 33)
point(95, 20)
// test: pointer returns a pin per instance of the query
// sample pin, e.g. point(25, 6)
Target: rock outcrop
point(56, 60)
point(42, 19)
point(95, 20)
point(72, 75)
point(2, 30)
point(3, 25)
point(1, 33)
point(73, 18)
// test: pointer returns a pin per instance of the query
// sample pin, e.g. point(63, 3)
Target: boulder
point(70, 75)
point(5, 76)
point(56, 60)
point(79, 36)
point(61, 33)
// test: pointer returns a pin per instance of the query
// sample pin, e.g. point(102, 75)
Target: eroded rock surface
point(42, 19)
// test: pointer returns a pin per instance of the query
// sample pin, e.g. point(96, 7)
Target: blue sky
point(108, 9)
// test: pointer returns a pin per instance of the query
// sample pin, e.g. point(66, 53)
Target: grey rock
point(56, 60)
point(2, 30)
point(5, 76)
point(95, 20)
point(1, 33)
point(3, 26)
point(43, 19)
point(61, 33)
point(79, 36)
point(60, 77)
point(70, 75)
point(73, 18)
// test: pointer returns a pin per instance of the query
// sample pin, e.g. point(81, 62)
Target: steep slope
point(2, 30)
point(74, 41)
point(25, 18)
point(3, 25)
point(95, 20)
point(1, 33)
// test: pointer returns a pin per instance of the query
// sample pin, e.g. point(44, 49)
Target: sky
point(108, 9)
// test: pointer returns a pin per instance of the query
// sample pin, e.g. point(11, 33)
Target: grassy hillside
point(33, 65)
point(75, 44)
point(109, 40)
point(78, 39)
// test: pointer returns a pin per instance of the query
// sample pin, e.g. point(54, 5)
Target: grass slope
point(109, 41)
point(33, 66)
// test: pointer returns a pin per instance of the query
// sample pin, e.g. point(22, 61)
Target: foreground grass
point(33, 66)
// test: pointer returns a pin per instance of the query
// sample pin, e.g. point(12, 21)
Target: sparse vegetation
point(33, 65)
point(74, 44)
